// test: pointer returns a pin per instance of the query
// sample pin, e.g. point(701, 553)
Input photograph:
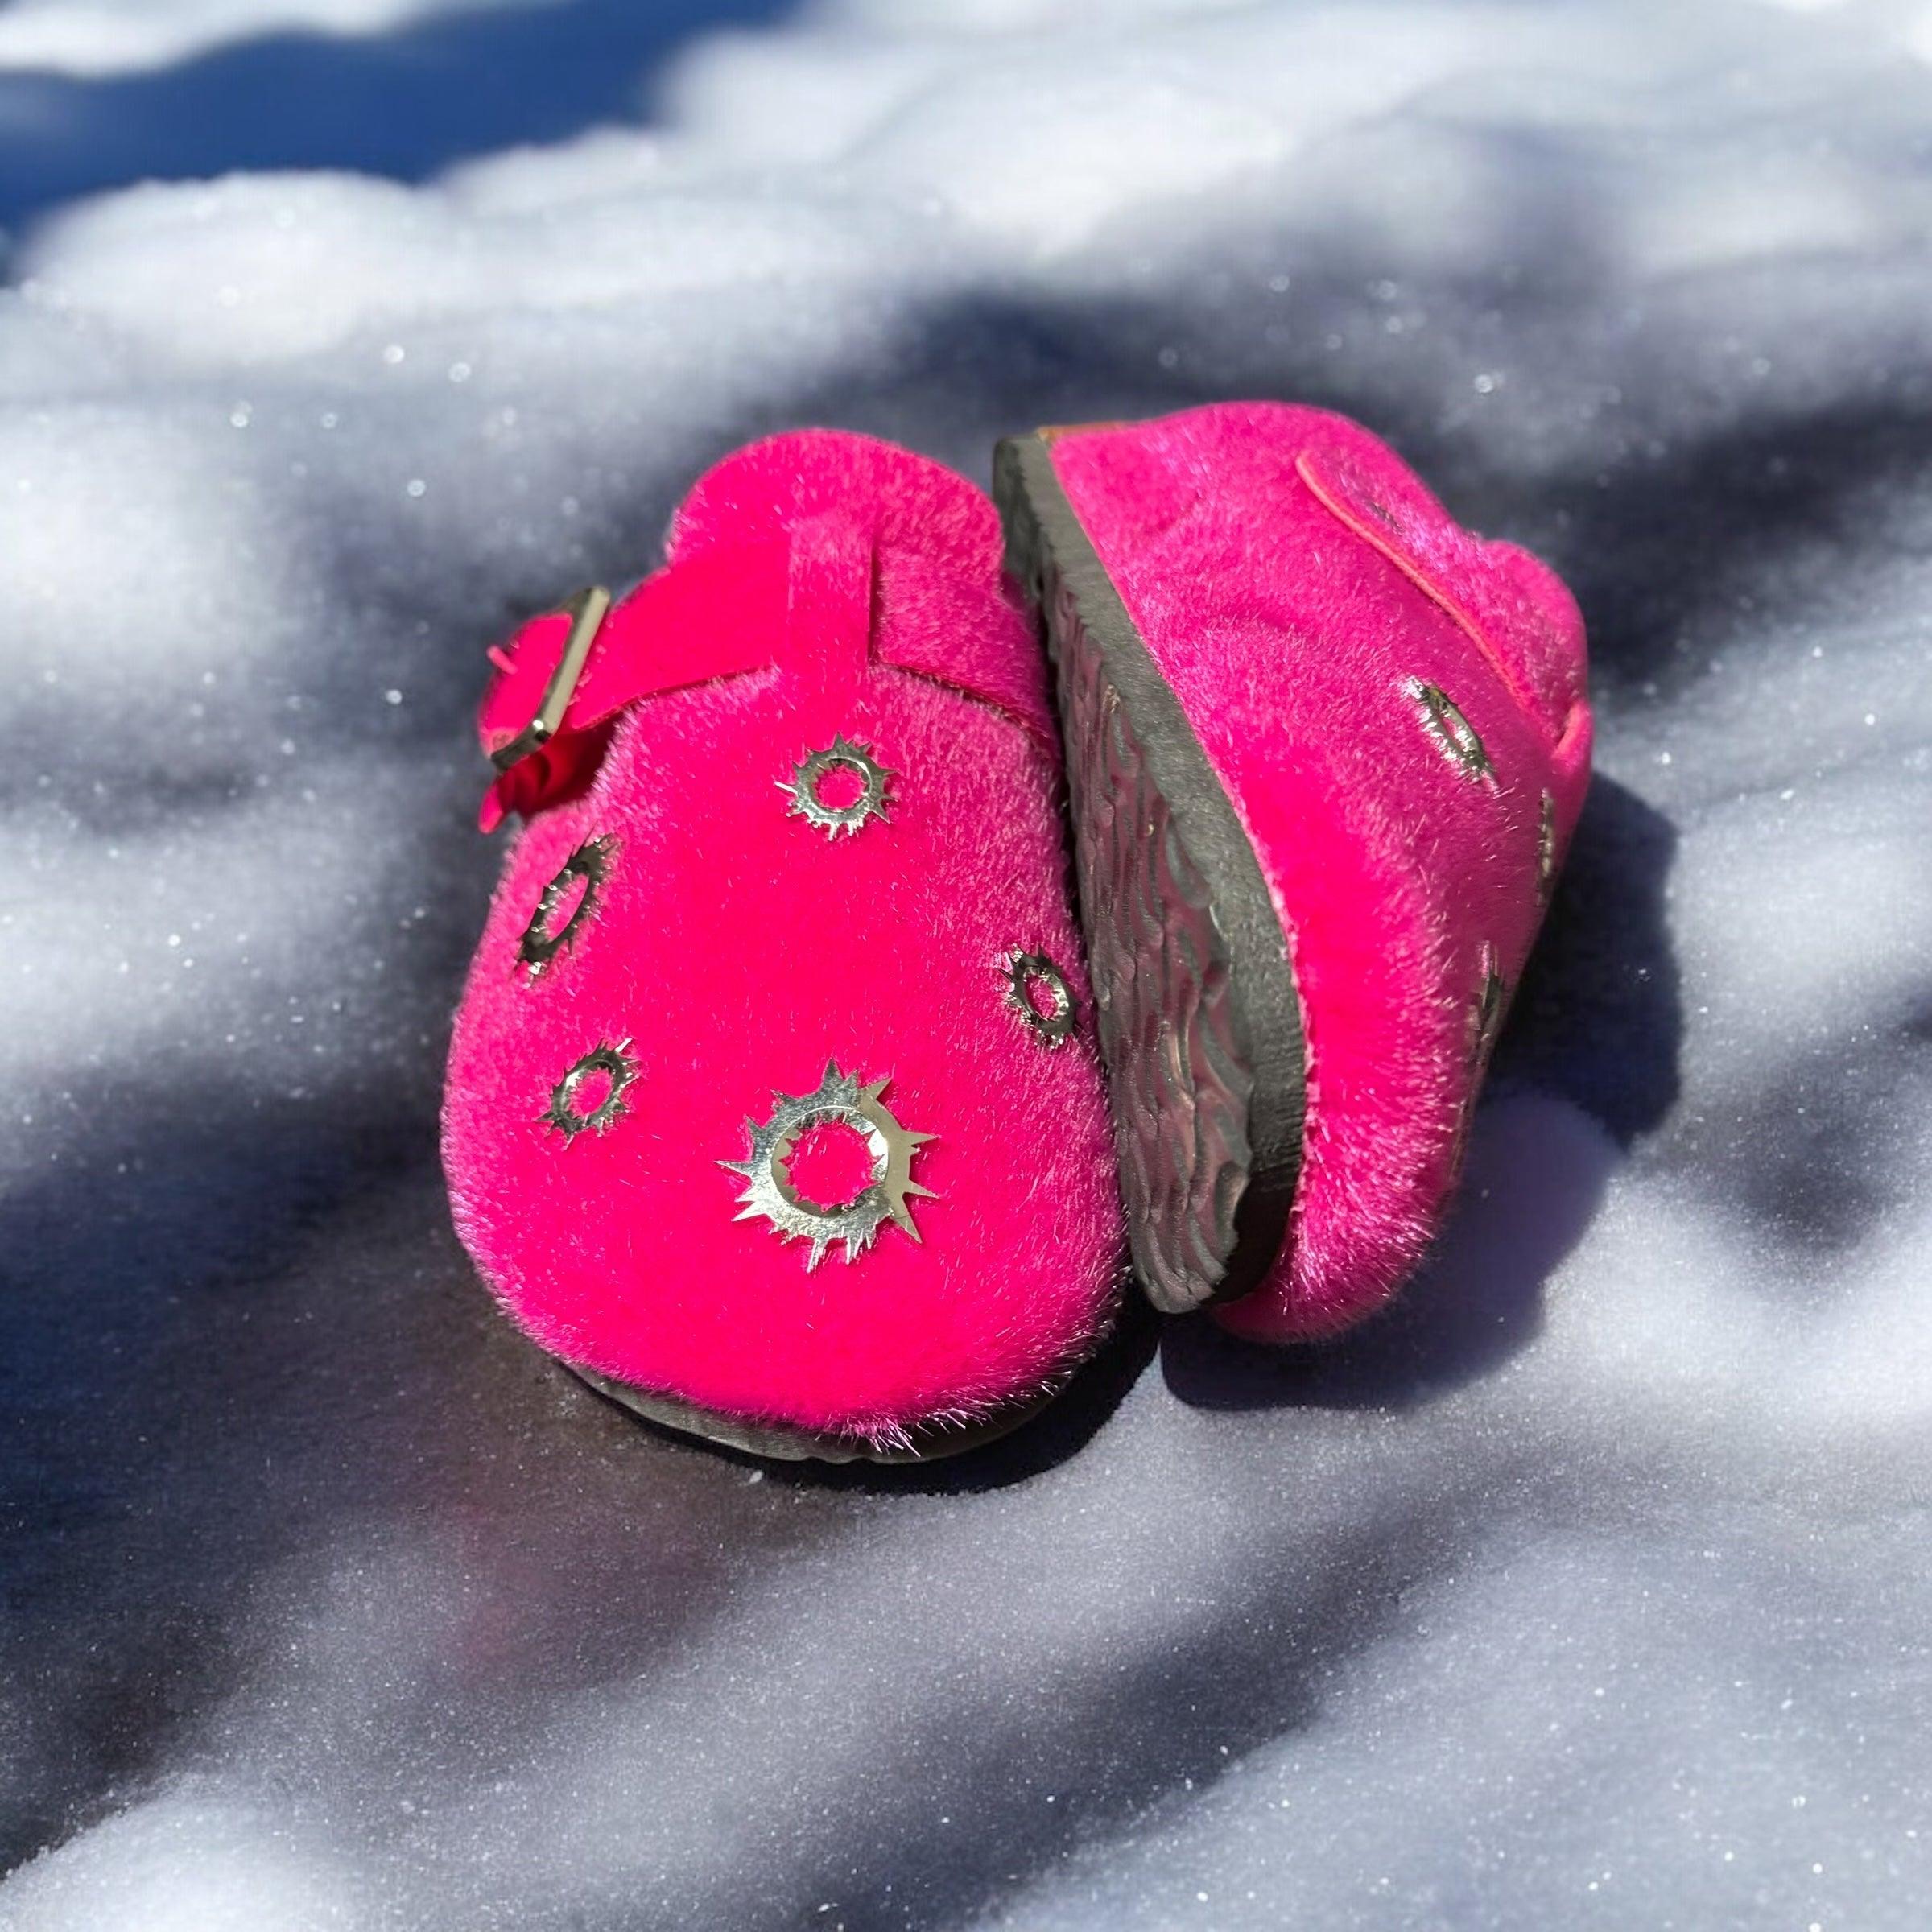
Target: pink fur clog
point(772, 1105)
point(1326, 750)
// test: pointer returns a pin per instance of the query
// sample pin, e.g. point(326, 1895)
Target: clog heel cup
point(1325, 751)
point(773, 1107)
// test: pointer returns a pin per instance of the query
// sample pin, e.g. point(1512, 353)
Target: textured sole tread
point(1199, 1021)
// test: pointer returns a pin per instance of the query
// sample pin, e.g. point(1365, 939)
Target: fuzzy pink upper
point(818, 585)
point(1290, 575)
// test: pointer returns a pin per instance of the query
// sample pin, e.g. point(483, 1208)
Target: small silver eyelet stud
point(551, 930)
point(1546, 847)
point(1028, 978)
point(1486, 1009)
point(568, 1116)
point(1442, 719)
point(841, 754)
point(769, 1193)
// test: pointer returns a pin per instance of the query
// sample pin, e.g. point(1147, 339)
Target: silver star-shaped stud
point(769, 1193)
point(551, 930)
point(841, 754)
point(1486, 1010)
point(1030, 977)
point(566, 1112)
point(1443, 721)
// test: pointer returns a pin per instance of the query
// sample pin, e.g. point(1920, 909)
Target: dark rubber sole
point(1199, 1024)
point(926, 1442)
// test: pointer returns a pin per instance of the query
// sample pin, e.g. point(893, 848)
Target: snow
point(1592, 1588)
point(117, 37)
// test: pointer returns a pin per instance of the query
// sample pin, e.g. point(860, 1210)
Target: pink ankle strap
point(720, 614)
point(666, 635)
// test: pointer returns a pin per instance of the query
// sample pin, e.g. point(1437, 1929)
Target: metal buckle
point(587, 611)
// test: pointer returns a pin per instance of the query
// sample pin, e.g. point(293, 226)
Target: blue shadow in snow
point(404, 105)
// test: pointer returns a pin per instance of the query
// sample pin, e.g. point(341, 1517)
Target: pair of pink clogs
point(790, 1103)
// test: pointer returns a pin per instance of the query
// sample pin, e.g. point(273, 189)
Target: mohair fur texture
point(819, 586)
point(1306, 596)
